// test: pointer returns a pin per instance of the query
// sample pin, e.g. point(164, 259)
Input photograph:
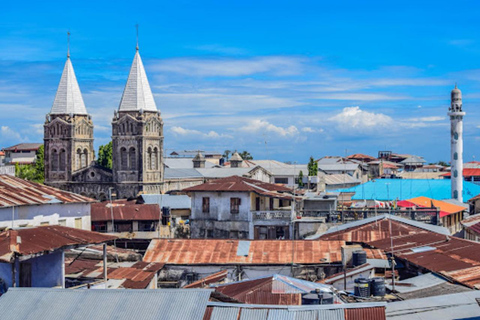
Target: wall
point(21, 157)
point(53, 214)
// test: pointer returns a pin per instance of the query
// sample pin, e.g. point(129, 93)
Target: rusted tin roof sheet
point(221, 252)
point(204, 282)
point(455, 258)
point(124, 211)
point(46, 238)
point(18, 192)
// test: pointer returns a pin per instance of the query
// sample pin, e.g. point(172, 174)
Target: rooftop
point(444, 207)
point(18, 192)
point(124, 211)
point(38, 240)
point(168, 200)
point(42, 303)
point(454, 258)
point(24, 147)
point(68, 99)
point(391, 189)
point(257, 252)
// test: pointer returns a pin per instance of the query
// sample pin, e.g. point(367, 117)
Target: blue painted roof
point(401, 189)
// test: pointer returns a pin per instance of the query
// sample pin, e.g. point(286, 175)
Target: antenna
point(68, 44)
point(136, 26)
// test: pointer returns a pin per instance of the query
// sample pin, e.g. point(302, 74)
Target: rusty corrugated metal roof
point(204, 282)
point(220, 252)
point(18, 192)
point(455, 258)
point(124, 211)
point(46, 238)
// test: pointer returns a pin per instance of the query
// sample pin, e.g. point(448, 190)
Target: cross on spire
point(136, 26)
point(68, 44)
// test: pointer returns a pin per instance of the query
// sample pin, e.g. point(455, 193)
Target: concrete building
point(240, 208)
point(22, 153)
point(137, 136)
point(28, 204)
point(456, 132)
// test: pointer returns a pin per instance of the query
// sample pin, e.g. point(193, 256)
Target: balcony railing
point(272, 215)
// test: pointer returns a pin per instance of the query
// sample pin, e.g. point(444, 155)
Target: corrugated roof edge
point(107, 290)
point(298, 308)
point(421, 225)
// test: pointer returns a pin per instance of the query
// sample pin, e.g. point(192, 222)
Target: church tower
point(456, 132)
point(68, 132)
point(137, 136)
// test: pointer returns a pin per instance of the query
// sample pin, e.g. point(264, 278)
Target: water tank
point(359, 258)
point(310, 298)
point(362, 287)
point(377, 286)
point(325, 298)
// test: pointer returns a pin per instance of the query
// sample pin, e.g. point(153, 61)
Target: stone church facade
point(137, 139)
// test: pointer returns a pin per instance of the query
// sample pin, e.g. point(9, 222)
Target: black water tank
point(310, 298)
point(377, 286)
point(362, 287)
point(359, 258)
point(325, 298)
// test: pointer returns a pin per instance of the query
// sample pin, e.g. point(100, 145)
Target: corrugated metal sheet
point(243, 248)
point(220, 252)
point(213, 278)
point(220, 313)
point(455, 258)
point(47, 238)
point(280, 314)
point(375, 313)
point(254, 314)
point(237, 184)
point(61, 304)
point(124, 211)
point(18, 192)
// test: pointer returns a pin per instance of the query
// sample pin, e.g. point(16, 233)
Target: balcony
point(272, 215)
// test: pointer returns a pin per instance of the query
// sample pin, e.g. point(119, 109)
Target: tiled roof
point(137, 94)
point(445, 207)
point(455, 258)
point(259, 252)
point(68, 99)
point(18, 192)
point(467, 172)
point(24, 147)
point(46, 238)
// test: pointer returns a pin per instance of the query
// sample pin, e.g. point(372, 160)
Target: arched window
point(131, 127)
point(123, 159)
point(455, 173)
point(149, 159)
point(85, 153)
point(54, 160)
point(455, 194)
point(62, 160)
point(455, 156)
point(132, 159)
point(78, 162)
point(155, 159)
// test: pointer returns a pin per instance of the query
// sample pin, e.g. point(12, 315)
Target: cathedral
point(137, 139)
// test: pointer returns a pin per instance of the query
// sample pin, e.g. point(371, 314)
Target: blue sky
point(283, 80)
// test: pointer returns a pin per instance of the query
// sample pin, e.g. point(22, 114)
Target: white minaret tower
point(456, 131)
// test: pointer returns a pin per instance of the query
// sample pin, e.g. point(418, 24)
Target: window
point(455, 173)
point(131, 158)
point(54, 160)
point(272, 203)
point(99, 226)
point(206, 205)
point(455, 136)
point(149, 158)
point(62, 222)
point(63, 160)
point(257, 204)
point(233, 234)
point(281, 180)
point(147, 225)
point(123, 227)
point(78, 223)
point(155, 159)
point(123, 159)
point(235, 205)
point(209, 233)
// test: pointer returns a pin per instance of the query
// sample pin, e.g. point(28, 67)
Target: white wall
point(220, 206)
point(21, 157)
point(53, 214)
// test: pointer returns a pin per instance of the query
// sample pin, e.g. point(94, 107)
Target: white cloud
point(354, 118)
point(311, 130)
point(429, 119)
point(260, 126)
point(277, 65)
point(179, 131)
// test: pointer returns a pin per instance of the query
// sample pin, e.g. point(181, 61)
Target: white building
point(456, 123)
point(28, 204)
point(22, 153)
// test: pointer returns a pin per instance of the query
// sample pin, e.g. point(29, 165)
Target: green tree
point(312, 167)
point(226, 154)
point(32, 172)
point(246, 155)
point(105, 155)
point(40, 165)
point(300, 179)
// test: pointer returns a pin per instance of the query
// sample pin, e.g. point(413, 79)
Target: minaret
point(456, 132)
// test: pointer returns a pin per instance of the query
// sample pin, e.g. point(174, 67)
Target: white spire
point(137, 94)
point(68, 99)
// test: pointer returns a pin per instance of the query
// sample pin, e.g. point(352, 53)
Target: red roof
point(455, 258)
point(24, 147)
point(124, 211)
point(467, 172)
point(224, 251)
point(36, 240)
point(361, 156)
point(18, 192)
point(239, 184)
